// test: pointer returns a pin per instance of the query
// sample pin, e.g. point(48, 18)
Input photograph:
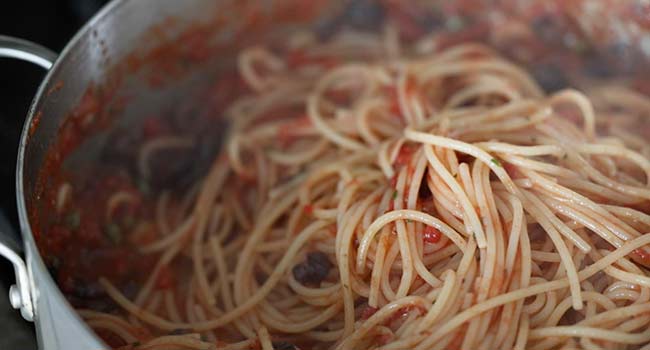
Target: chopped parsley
point(496, 162)
point(395, 194)
point(129, 222)
point(113, 233)
point(143, 186)
point(73, 220)
point(454, 23)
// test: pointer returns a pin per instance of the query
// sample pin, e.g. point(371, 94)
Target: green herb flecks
point(454, 23)
point(113, 233)
point(496, 162)
point(180, 331)
point(128, 222)
point(143, 187)
point(73, 220)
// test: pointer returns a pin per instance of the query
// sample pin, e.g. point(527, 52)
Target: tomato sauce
point(368, 311)
point(36, 121)
point(299, 58)
point(405, 155)
point(431, 235)
point(308, 209)
point(289, 132)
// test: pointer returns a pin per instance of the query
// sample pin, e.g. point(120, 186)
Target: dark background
point(50, 23)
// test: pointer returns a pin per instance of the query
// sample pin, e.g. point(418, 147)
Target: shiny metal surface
point(20, 294)
point(26, 51)
point(112, 34)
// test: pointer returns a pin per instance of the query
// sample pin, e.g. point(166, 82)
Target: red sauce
point(384, 339)
point(403, 15)
point(56, 87)
point(299, 58)
point(476, 32)
point(393, 181)
point(394, 109)
point(642, 256)
point(431, 235)
point(166, 279)
point(226, 89)
point(512, 170)
point(368, 311)
point(457, 341)
point(113, 340)
point(405, 154)
point(36, 121)
point(640, 12)
point(289, 132)
point(82, 244)
point(154, 127)
point(394, 106)
point(401, 314)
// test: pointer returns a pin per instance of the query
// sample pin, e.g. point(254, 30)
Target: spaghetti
point(378, 199)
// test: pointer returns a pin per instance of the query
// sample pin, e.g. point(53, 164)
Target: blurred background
point(50, 23)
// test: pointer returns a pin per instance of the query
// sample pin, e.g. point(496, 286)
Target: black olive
point(167, 167)
point(365, 15)
point(87, 290)
point(102, 304)
point(179, 168)
point(599, 67)
point(328, 27)
point(430, 21)
point(547, 28)
point(120, 149)
point(131, 289)
point(283, 345)
point(424, 192)
point(73, 220)
point(113, 233)
point(180, 331)
point(207, 147)
point(53, 265)
point(550, 77)
point(313, 270)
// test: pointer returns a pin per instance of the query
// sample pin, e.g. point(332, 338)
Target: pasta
point(379, 199)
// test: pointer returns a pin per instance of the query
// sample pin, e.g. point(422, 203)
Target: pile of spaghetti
point(368, 198)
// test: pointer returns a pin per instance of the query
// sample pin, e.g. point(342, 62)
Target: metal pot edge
point(54, 316)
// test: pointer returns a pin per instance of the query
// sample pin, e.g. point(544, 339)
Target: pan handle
point(20, 294)
point(27, 51)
